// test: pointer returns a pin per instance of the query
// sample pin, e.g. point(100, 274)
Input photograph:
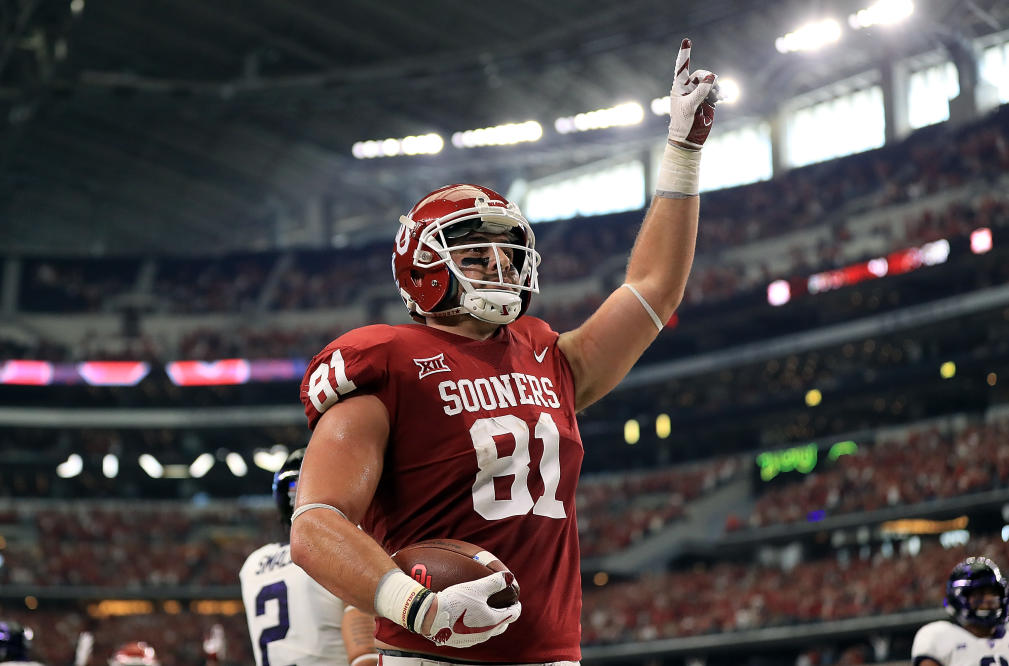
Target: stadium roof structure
point(173, 126)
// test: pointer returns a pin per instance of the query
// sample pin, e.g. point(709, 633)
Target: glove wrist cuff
point(679, 173)
point(402, 600)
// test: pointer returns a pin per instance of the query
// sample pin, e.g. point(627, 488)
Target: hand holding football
point(441, 563)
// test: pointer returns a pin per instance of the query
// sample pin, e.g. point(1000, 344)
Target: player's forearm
point(664, 252)
point(358, 630)
point(340, 557)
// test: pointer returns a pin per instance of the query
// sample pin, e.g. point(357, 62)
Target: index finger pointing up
point(683, 61)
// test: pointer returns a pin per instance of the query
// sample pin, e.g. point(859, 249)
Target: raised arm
point(603, 349)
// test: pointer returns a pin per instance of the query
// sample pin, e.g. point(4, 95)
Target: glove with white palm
point(692, 102)
point(464, 618)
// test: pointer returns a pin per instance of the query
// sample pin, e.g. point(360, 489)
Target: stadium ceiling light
point(150, 464)
point(499, 135)
point(810, 37)
point(236, 463)
point(201, 465)
point(70, 467)
point(729, 90)
point(622, 115)
point(883, 12)
point(424, 144)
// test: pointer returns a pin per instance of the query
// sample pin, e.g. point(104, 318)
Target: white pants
point(387, 660)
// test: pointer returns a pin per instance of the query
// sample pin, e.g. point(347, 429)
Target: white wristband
point(678, 173)
point(402, 600)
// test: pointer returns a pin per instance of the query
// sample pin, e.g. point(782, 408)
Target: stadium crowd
point(98, 543)
point(617, 510)
point(716, 597)
point(833, 196)
point(905, 468)
point(733, 596)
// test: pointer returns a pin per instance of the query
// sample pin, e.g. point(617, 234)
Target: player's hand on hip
point(462, 616)
point(691, 102)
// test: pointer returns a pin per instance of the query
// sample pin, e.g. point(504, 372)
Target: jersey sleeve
point(931, 642)
point(356, 363)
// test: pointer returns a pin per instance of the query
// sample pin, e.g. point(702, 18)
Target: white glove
point(464, 619)
point(691, 102)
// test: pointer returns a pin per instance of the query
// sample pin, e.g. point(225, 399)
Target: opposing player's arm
point(342, 467)
point(622, 328)
point(358, 629)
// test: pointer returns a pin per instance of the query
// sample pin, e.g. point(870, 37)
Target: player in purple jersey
point(977, 601)
point(463, 425)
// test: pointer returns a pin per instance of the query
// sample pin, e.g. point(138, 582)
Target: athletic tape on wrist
point(402, 600)
point(679, 173)
point(308, 507)
point(646, 306)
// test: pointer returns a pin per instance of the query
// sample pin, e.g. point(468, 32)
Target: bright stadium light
point(271, 460)
point(810, 37)
point(499, 135)
point(236, 463)
point(201, 465)
point(110, 466)
point(632, 431)
point(980, 240)
point(883, 12)
point(424, 144)
point(150, 464)
point(70, 467)
point(663, 426)
point(621, 115)
point(729, 91)
point(779, 292)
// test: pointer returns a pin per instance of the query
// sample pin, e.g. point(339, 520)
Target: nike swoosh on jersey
point(461, 627)
point(539, 357)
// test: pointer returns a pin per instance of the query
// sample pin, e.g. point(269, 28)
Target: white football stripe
point(485, 558)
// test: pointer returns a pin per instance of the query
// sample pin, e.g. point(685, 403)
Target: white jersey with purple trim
point(292, 619)
point(949, 644)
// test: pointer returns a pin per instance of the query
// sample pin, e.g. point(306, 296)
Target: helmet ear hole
point(417, 277)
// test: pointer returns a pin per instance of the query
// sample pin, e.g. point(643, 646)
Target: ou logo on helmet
point(402, 239)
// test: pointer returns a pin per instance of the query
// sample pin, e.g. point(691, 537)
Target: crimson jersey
point(483, 447)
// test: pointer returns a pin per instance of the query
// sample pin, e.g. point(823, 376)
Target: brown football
point(440, 563)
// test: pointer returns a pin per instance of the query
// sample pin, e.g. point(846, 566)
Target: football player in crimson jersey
point(463, 425)
point(977, 600)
